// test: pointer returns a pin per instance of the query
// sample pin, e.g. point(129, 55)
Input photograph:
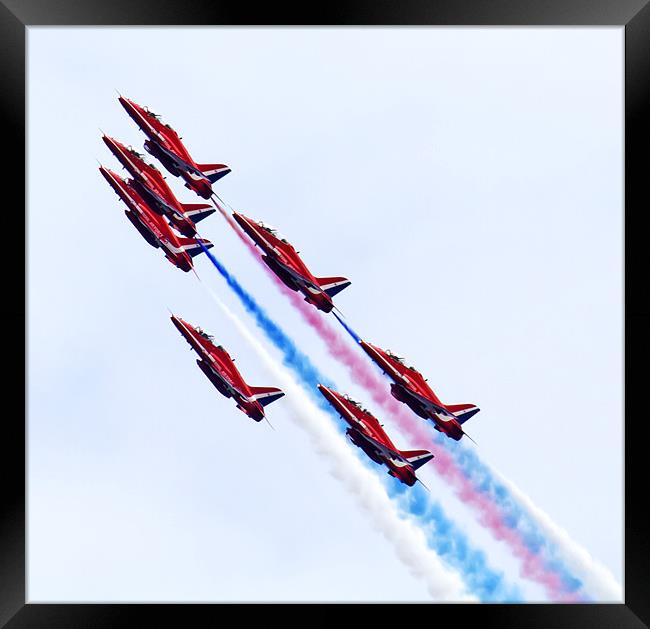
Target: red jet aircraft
point(153, 227)
point(411, 388)
point(285, 262)
point(151, 185)
point(367, 433)
point(165, 145)
point(219, 367)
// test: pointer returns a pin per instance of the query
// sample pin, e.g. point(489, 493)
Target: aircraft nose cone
point(240, 218)
point(105, 174)
point(326, 393)
point(128, 106)
point(110, 143)
point(178, 322)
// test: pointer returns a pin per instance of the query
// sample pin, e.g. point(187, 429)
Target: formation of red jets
point(170, 225)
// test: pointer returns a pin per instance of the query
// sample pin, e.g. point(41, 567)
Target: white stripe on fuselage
point(143, 119)
point(210, 363)
point(294, 274)
point(128, 159)
point(436, 410)
point(150, 225)
point(379, 448)
point(388, 365)
point(154, 194)
point(139, 214)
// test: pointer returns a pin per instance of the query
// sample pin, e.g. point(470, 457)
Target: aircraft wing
point(389, 453)
point(430, 405)
point(177, 159)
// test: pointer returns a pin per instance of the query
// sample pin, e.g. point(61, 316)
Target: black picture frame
point(634, 15)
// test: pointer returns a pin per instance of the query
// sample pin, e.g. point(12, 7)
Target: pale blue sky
point(468, 182)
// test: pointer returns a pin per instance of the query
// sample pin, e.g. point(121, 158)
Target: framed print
point(402, 245)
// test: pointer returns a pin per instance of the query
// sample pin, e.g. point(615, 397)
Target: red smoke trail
point(490, 515)
point(231, 221)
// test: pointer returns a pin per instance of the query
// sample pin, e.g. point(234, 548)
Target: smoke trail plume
point(598, 580)
point(485, 583)
point(539, 544)
point(558, 584)
point(408, 541)
point(508, 513)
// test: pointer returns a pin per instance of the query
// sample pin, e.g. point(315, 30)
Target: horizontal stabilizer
point(266, 395)
point(198, 211)
point(463, 411)
point(192, 246)
point(333, 285)
point(214, 172)
point(417, 458)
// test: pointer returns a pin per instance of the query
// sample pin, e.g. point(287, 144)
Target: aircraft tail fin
point(417, 458)
point(198, 211)
point(333, 285)
point(266, 395)
point(193, 245)
point(463, 411)
point(214, 172)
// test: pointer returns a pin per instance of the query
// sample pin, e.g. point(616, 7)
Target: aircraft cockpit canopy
point(394, 356)
point(400, 360)
point(152, 114)
point(141, 156)
point(204, 334)
point(272, 230)
point(359, 406)
point(134, 152)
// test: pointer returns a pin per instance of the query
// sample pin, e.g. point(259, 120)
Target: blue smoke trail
point(292, 356)
point(488, 585)
point(441, 533)
point(516, 517)
point(347, 328)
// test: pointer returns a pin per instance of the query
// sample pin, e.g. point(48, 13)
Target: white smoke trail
point(598, 581)
point(407, 539)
